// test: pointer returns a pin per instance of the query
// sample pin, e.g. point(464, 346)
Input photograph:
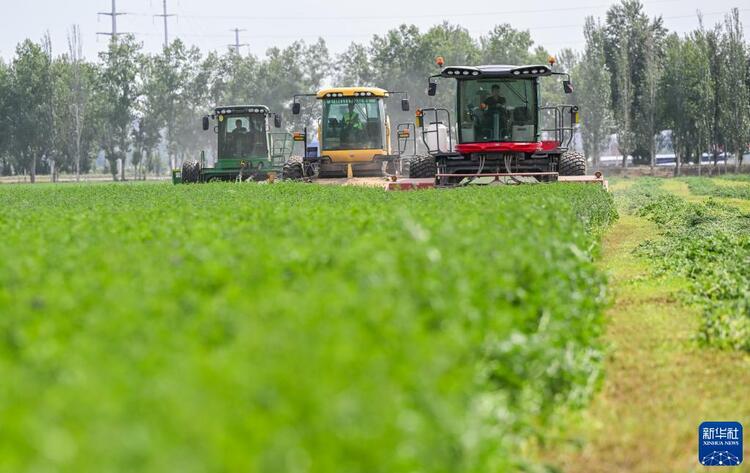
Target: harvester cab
point(354, 135)
point(501, 133)
point(247, 148)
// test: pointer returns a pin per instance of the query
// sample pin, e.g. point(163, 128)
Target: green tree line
point(636, 79)
point(633, 79)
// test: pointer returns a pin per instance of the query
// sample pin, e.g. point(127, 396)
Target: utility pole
point(237, 44)
point(165, 16)
point(113, 14)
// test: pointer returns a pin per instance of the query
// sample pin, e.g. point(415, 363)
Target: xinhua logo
point(720, 443)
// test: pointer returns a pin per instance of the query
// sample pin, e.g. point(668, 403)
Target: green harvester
point(247, 148)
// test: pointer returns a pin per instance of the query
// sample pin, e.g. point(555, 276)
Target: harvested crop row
point(293, 327)
point(736, 189)
point(709, 243)
point(735, 177)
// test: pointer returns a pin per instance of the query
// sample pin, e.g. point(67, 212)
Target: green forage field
point(293, 328)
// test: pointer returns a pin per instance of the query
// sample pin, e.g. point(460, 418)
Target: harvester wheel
point(293, 169)
point(422, 166)
point(191, 172)
point(572, 164)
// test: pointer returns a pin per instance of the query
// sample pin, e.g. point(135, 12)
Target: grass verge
point(660, 384)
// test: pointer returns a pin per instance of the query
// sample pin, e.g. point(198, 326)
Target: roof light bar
point(460, 71)
point(532, 70)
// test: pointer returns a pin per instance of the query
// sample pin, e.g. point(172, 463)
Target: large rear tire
point(293, 169)
point(191, 172)
point(422, 167)
point(572, 163)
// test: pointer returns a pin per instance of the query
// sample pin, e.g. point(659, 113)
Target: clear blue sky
point(553, 23)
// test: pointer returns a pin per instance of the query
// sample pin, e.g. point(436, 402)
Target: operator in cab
point(351, 119)
point(238, 138)
point(495, 101)
point(495, 115)
point(238, 127)
point(352, 126)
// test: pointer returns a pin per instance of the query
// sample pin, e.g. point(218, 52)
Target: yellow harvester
point(354, 135)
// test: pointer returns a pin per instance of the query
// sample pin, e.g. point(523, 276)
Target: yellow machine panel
point(352, 92)
point(353, 155)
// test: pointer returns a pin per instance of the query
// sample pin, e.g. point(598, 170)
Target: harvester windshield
point(497, 110)
point(352, 123)
point(242, 136)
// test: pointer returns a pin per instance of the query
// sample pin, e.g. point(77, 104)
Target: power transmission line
point(369, 35)
point(237, 44)
point(165, 16)
point(276, 36)
point(411, 17)
point(113, 14)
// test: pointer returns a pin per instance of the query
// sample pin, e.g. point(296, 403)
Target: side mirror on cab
point(277, 121)
point(432, 89)
point(568, 87)
point(206, 123)
point(296, 108)
point(405, 105)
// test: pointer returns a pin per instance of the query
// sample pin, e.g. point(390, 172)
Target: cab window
point(497, 110)
point(242, 136)
point(352, 123)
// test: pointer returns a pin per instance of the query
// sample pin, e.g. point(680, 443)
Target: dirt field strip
point(660, 385)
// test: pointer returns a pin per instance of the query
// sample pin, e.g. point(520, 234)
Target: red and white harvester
point(500, 133)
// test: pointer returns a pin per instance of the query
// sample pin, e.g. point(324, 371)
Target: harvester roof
point(473, 72)
point(352, 92)
point(237, 109)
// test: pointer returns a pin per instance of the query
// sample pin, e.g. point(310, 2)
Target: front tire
point(191, 172)
point(572, 163)
point(293, 170)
